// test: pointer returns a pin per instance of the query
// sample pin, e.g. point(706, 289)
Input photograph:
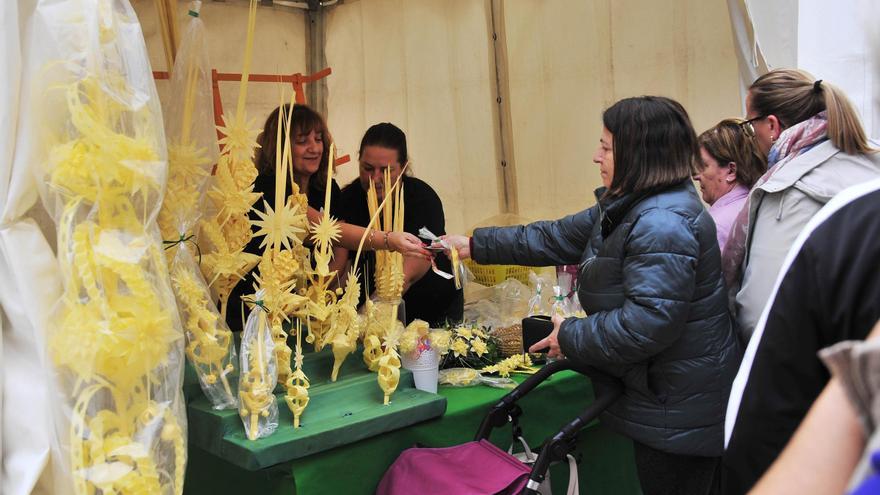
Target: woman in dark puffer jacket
point(650, 282)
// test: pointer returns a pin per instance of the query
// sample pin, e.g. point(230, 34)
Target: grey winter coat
point(778, 211)
point(650, 282)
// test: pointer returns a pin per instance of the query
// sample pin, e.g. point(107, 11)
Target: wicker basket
point(489, 275)
point(510, 339)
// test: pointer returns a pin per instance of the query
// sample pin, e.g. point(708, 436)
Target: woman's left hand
point(551, 340)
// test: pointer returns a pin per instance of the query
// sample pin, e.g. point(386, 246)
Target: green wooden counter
point(606, 463)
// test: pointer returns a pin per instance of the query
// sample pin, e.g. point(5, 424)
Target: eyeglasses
point(748, 128)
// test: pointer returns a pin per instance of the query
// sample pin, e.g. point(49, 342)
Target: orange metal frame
point(297, 80)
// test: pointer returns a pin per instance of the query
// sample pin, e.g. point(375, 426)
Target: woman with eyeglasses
point(730, 163)
point(649, 278)
point(815, 148)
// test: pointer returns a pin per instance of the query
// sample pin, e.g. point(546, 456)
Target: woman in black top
point(310, 158)
point(310, 151)
point(427, 296)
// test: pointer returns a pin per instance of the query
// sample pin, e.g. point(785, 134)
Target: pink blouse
point(725, 209)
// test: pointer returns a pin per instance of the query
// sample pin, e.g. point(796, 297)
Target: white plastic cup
point(425, 369)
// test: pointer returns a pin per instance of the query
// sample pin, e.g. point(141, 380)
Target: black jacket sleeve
point(559, 242)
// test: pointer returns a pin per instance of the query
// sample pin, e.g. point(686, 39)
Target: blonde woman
point(816, 147)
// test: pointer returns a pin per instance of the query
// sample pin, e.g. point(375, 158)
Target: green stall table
point(605, 459)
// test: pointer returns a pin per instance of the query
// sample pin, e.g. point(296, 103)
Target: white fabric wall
point(571, 59)
point(846, 52)
point(838, 42)
point(425, 67)
point(279, 48)
point(776, 27)
point(28, 270)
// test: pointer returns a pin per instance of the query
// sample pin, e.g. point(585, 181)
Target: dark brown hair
point(727, 142)
point(386, 135)
point(305, 120)
point(654, 144)
point(793, 96)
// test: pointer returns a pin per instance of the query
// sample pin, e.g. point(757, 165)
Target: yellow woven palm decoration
point(389, 287)
point(282, 227)
point(116, 345)
point(228, 233)
point(190, 134)
point(374, 324)
point(257, 406)
point(229, 230)
point(346, 324)
point(297, 396)
point(321, 298)
point(389, 365)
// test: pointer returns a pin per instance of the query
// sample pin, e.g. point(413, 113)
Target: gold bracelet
point(386, 242)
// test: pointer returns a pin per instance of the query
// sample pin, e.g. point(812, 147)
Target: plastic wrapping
point(560, 303)
point(210, 348)
point(501, 305)
point(259, 375)
point(114, 338)
point(191, 155)
point(541, 300)
point(468, 377)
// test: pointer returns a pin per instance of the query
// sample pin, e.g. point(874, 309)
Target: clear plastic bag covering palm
point(468, 377)
point(506, 305)
point(114, 339)
point(192, 153)
point(560, 305)
point(540, 302)
point(259, 375)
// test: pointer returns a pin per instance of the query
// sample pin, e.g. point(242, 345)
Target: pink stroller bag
point(473, 468)
point(481, 468)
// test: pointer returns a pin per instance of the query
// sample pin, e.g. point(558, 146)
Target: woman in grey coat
point(650, 282)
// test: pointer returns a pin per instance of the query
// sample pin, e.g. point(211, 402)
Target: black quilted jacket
point(650, 282)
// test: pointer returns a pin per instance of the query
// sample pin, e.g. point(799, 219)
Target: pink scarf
point(794, 141)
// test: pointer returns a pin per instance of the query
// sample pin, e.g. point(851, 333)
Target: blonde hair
point(793, 96)
point(727, 142)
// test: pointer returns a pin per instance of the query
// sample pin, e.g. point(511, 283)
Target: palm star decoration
point(282, 227)
point(188, 161)
point(392, 338)
point(325, 232)
point(229, 198)
point(239, 138)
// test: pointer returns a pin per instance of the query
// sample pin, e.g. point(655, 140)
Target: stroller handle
point(499, 414)
point(556, 448)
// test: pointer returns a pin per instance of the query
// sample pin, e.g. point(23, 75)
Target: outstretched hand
point(551, 340)
point(407, 245)
point(461, 243)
